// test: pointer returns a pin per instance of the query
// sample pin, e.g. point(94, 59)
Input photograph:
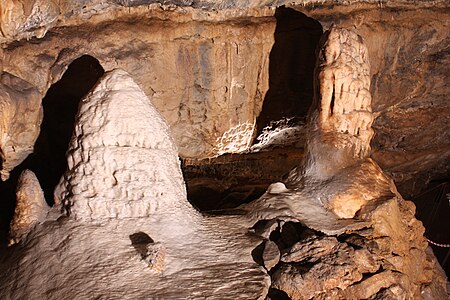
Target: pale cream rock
point(124, 183)
point(31, 208)
point(340, 127)
point(277, 188)
point(118, 138)
point(20, 120)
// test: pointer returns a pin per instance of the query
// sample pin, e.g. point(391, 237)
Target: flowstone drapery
point(343, 230)
point(127, 230)
point(122, 227)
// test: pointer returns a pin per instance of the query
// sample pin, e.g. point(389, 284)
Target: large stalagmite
point(128, 231)
point(122, 228)
point(354, 236)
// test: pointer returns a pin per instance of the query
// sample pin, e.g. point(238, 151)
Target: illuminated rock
point(20, 120)
point(31, 208)
point(127, 229)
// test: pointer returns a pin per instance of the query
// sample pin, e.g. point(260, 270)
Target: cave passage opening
point(48, 161)
point(234, 179)
point(60, 108)
point(292, 62)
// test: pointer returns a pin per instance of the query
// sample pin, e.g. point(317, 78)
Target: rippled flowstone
point(354, 235)
point(127, 230)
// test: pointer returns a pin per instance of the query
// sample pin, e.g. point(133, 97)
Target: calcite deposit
point(341, 221)
point(31, 208)
point(122, 227)
point(309, 209)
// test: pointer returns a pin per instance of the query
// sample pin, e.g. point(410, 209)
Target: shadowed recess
point(60, 108)
point(49, 161)
point(433, 209)
point(291, 68)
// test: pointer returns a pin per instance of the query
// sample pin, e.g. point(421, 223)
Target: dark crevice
point(291, 68)
point(140, 241)
point(433, 209)
point(48, 161)
point(257, 254)
point(60, 108)
point(332, 102)
point(276, 294)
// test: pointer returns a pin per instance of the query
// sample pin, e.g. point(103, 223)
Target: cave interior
point(227, 181)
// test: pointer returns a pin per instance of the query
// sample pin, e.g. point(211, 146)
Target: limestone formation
point(122, 227)
point(271, 255)
point(20, 118)
point(127, 230)
point(341, 116)
point(356, 237)
point(31, 208)
point(220, 59)
point(116, 121)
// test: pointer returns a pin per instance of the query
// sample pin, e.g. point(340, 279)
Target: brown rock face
point(365, 241)
point(20, 118)
point(123, 226)
point(210, 71)
point(207, 79)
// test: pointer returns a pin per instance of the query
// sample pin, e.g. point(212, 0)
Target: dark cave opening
point(48, 161)
point(291, 68)
point(227, 181)
point(60, 108)
point(433, 209)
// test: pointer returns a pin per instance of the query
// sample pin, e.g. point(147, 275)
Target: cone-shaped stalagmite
point(339, 191)
point(129, 231)
point(31, 207)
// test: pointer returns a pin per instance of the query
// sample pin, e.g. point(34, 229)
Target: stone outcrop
point(122, 227)
point(117, 130)
point(343, 230)
point(341, 116)
point(20, 118)
point(31, 208)
point(127, 230)
point(212, 106)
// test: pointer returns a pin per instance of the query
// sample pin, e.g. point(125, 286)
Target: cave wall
point(207, 71)
point(207, 79)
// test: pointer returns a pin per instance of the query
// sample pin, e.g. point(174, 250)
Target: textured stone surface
point(271, 255)
point(206, 72)
point(121, 241)
point(31, 208)
point(406, 44)
point(198, 81)
point(341, 119)
point(20, 118)
point(107, 152)
point(365, 240)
